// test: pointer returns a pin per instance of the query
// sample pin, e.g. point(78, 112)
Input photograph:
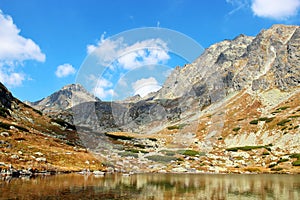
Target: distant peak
point(73, 86)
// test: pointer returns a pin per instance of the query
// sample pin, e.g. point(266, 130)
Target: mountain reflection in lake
point(154, 186)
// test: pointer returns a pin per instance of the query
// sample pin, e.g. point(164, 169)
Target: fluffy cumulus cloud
point(14, 49)
point(141, 53)
point(64, 70)
point(145, 86)
point(272, 9)
point(102, 88)
point(275, 9)
point(119, 56)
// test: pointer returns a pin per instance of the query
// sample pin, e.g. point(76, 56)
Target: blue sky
point(43, 44)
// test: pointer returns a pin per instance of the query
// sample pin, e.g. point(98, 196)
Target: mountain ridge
point(236, 107)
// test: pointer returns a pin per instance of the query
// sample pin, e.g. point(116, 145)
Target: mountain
point(33, 142)
point(67, 97)
point(234, 109)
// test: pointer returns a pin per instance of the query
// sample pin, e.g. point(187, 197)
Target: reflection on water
point(154, 186)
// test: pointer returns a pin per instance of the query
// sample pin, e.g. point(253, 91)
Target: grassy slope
point(43, 139)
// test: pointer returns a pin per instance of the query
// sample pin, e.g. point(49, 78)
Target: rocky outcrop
point(6, 97)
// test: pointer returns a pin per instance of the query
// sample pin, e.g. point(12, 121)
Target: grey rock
point(41, 159)
point(4, 134)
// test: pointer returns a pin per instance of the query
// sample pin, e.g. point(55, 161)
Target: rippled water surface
point(154, 186)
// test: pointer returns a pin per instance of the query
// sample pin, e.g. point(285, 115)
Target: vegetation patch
point(295, 155)
point(248, 148)
point(168, 152)
point(177, 126)
point(282, 160)
point(283, 122)
point(121, 137)
point(159, 158)
point(136, 151)
point(294, 116)
point(283, 108)
point(236, 129)
point(254, 122)
point(275, 112)
point(266, 153)
point(296, 163)
point(266, 119)
point(272, 165)
point(190, 152)
point(128, 154)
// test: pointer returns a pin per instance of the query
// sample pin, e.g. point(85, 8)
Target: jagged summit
point(66, 97)
point(269, 60)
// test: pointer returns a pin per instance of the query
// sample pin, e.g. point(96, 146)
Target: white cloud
point(64, 70)
point(12, 79)
point(145, 85)
point(14, 47)
point(275, 9)
point(102, 93)
point(14, 50)
point(146, 52)
point(102, 87)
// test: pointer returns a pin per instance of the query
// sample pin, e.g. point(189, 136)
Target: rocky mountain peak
point(66, 97)
point(271, 59)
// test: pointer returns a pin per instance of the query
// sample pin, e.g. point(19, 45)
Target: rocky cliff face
point(271, 59)
point(6, 97)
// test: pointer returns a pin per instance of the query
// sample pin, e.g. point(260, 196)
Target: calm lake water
point(154, 186)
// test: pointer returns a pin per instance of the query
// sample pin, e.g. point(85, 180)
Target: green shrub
point(265, 153)
point(189, 152)
point(296, 163)
point(283, 122)
point(249, 148)
point(136, 151)
point(159, 158)
point(266, 119)
point(294, 116)
point(254, 122)
point(177, 126)
point(282, 160)
point(295, 155)
point(272, 165)
point(275, 112)
point(121, 137)
point(296, 127)
point(128, 154)
point(236, 129)
point(283, 108)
